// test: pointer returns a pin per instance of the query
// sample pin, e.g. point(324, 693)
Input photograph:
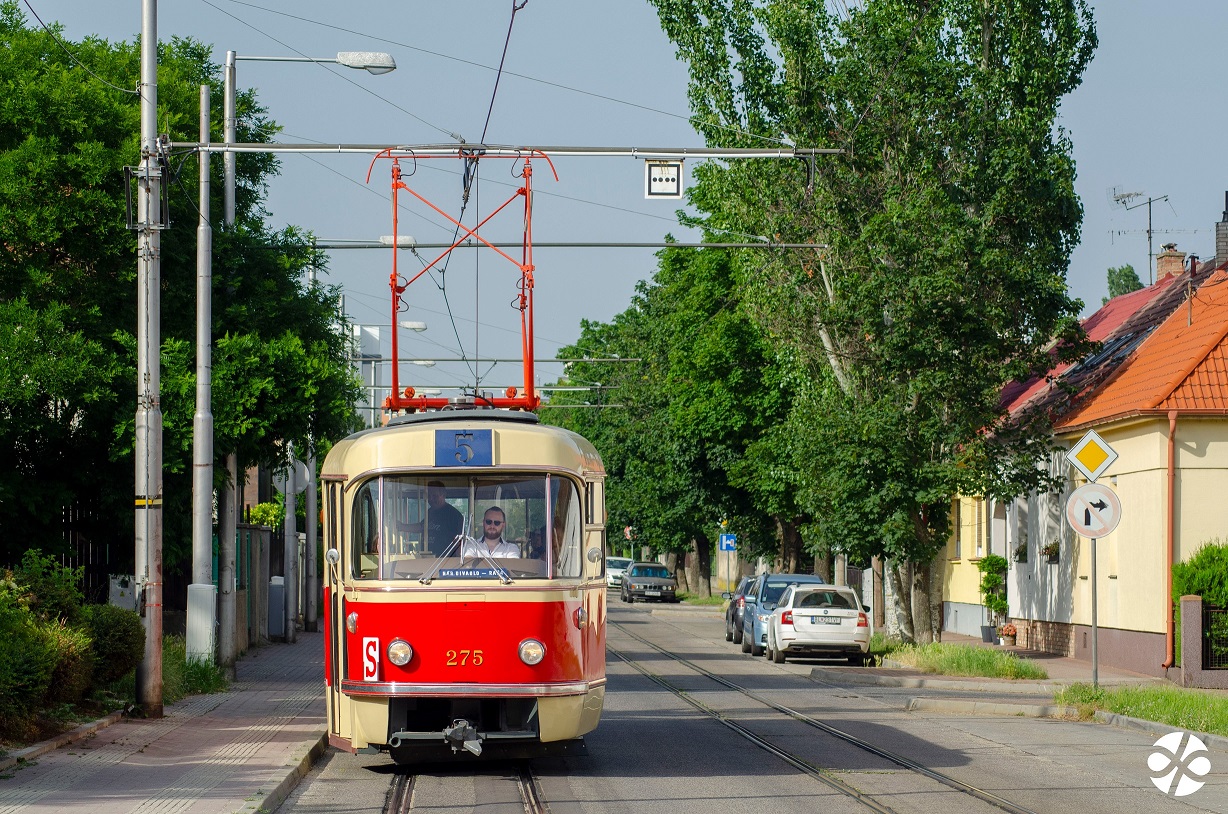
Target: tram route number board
point(462, 447)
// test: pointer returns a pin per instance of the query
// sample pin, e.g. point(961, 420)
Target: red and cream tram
point(465, 559)
point(434, 645)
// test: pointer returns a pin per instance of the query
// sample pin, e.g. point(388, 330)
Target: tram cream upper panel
point(412, 446)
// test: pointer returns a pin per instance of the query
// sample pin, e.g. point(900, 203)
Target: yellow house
point(1165, 412)
point(1157, 391)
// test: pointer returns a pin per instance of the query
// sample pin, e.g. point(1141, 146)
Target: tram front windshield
point(466, 527)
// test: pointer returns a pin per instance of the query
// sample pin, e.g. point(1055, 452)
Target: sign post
point(1093, 511)
point(729, 542)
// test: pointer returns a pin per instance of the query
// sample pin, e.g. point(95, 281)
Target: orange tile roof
point(1182, 365)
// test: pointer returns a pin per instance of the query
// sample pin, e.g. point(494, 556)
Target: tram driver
point(492, 543)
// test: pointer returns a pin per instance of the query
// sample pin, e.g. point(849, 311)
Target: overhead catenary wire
point(376, 38)
point(74, 57)
point(363, 88)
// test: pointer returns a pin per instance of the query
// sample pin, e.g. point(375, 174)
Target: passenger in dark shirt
point(443, 521)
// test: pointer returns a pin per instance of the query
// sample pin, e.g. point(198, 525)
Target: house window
point(956, 530)
point(981, 519)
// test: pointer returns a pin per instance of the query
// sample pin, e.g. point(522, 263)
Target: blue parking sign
point(729, 542)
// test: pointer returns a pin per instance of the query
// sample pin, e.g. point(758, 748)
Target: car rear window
point(825, 599)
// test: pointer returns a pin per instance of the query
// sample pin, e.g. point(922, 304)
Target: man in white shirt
point(492, 543)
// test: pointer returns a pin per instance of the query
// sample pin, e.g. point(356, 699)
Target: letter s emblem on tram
point(370, 659)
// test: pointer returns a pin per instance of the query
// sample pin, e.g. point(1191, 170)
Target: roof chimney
point(1221, 235)
point(1170, 261)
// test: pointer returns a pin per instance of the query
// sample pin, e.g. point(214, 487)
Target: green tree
point(68, 296)
point(1122, 280)
point(703, 389)
point(945, 231)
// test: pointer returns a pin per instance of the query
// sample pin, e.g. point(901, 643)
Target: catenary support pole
point(227, 532)
point(290, 555)
point(148, 439)
point(202, 595)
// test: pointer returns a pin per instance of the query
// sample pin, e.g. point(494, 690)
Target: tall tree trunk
point(790, 545)
point(701, 583)
point(901, 584)
point(675, 561)
point(919, 599)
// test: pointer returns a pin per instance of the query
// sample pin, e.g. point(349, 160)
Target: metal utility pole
point(202, 595)
point(290, 557)
point(1150, 255)
point(228, 500)
point(148, 441)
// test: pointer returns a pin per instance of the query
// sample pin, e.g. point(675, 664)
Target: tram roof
point(409, 441)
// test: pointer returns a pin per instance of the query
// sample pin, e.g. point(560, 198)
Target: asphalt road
point(657, 750)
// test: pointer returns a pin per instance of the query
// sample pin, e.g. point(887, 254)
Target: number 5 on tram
point(464, 587)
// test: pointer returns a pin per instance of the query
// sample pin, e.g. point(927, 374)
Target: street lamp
point(373, 62)
point(367, 350)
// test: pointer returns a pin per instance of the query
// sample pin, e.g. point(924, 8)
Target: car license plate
point(826, 620)
point(652, 593)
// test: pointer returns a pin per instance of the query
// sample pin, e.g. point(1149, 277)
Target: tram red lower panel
point(466, 639)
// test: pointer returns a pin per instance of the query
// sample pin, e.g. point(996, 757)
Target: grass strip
point(964, 660)
point(1190, 709)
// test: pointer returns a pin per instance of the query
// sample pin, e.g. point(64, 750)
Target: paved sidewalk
point(239, 751)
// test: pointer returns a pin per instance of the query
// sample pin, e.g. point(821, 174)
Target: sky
point(1147, 119)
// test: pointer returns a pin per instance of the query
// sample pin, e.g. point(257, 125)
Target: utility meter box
point(124, 591)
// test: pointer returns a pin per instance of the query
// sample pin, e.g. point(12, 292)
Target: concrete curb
point(1126, 722)
point(965, 707)
point(912, 682)
point(298, 766)
point(63, 739)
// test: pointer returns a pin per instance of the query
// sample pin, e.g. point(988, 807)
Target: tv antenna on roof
point(1125, 201)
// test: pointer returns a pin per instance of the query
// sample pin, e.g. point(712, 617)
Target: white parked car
point(615, 568)
point(818, 620)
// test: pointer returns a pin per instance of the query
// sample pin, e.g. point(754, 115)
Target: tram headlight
point(351, 622)
point(532, 651)
point(399, 652)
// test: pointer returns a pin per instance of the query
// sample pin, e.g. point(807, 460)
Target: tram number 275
point(460, 658)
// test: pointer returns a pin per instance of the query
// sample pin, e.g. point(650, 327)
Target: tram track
point(820, 774)
point(400, 798)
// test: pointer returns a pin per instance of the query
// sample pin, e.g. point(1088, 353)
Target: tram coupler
point(462, 735)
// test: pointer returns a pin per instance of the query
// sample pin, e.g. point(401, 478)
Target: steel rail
point(530, 791)
point(401, 794)
point(899, 760)
point(796, 762)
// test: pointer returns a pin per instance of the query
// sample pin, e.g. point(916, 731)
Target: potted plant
point(993, 587)
point(1021, 552)
point(1051, 551)
point(1008, 634)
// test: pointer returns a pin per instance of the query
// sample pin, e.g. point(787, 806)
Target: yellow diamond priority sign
point(1092, 455)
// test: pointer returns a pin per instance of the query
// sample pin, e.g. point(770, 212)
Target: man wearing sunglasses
point(492, 543)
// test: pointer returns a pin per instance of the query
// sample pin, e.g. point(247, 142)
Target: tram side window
point(366, 543)
point(568, 530)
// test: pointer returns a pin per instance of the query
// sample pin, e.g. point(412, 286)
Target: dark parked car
point(733, 613)
point(649, 580)
point(761, 599)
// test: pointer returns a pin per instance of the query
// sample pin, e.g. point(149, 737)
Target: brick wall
point(1047, 637)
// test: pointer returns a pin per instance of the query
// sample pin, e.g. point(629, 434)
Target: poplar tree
point(942, 239)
